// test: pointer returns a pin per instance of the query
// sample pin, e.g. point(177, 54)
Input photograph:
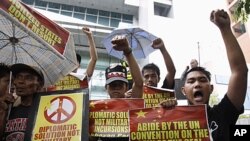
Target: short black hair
point(200, 69)
point(17, 68)
point(151, 66)
point(4, 70)
point(79, 58)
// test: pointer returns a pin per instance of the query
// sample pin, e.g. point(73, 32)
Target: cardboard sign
point(69, 82)
point(109, 118)
point(45, 30)
point(153, 95)
point(59, 115)
point(182, 123)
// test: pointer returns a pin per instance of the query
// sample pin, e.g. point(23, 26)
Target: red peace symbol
point(61, 110)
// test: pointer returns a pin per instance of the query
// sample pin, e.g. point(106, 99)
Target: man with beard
point(197, 87)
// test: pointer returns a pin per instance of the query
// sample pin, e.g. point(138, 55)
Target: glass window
point(30, 2)
point(67, 7)
point(126, 17)
point(92, 11)
point(127, 21)
point(54, 5)
point(79, 16)
point(91, 18)
point(103, 21)
point(80, 9)
point(116, 15)
point(67, 13)
point(114, 22)
point(161, 9)
point(43, 8)
point(54, 10)
point(104, 13)
point(40, 3)
point(239, 29)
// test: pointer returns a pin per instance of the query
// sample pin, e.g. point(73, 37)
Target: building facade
point(102, 18)
point(172, 20)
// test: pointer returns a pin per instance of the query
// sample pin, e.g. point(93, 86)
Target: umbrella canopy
point(139, 39)
point(28, 37)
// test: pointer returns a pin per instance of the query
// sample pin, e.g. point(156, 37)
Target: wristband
point(128, 52)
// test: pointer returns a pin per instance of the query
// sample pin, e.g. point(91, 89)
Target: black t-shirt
point(17, 123)
point(165, 85)
point(220, 117)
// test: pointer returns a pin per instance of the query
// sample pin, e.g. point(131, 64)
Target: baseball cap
point(17, 68)
point(116, 72)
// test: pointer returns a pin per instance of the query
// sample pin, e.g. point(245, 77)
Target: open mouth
point(198, 96)
point(20, 90)
point(150, 84)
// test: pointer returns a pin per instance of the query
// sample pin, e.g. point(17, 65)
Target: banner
point(36, 24)
point(59, 115)
point(182, 123)
point(153, 95)
point(109, 118)
point(69, 82)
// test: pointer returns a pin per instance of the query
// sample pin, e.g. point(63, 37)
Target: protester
point(79, 80)
point(28, 81)
point(116, 79)
point(193, 63)
point(93, 53)
point(5, 96)
point(198, 87)
point(116, 75)
point(4, 80)
point(151, 72)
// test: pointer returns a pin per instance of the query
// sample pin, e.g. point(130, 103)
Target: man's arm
point(169, 79)
point(92, 50)
point(121, 43)
point(238, 80)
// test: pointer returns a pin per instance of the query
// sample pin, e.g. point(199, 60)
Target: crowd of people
point(28, 80)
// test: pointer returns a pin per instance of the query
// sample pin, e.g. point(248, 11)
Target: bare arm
point(121, 43)
point(238, 80)
point(159, 44)
point(92, 50)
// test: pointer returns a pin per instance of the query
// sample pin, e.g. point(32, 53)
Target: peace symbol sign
point(61, 110)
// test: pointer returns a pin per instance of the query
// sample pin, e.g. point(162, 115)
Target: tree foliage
point(242, 11)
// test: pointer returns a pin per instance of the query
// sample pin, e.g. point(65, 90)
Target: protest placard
point(109, 118)
point(182, 123)
point(43, 29)
point(59, 115)
point(69, 82)
point(153, 95)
